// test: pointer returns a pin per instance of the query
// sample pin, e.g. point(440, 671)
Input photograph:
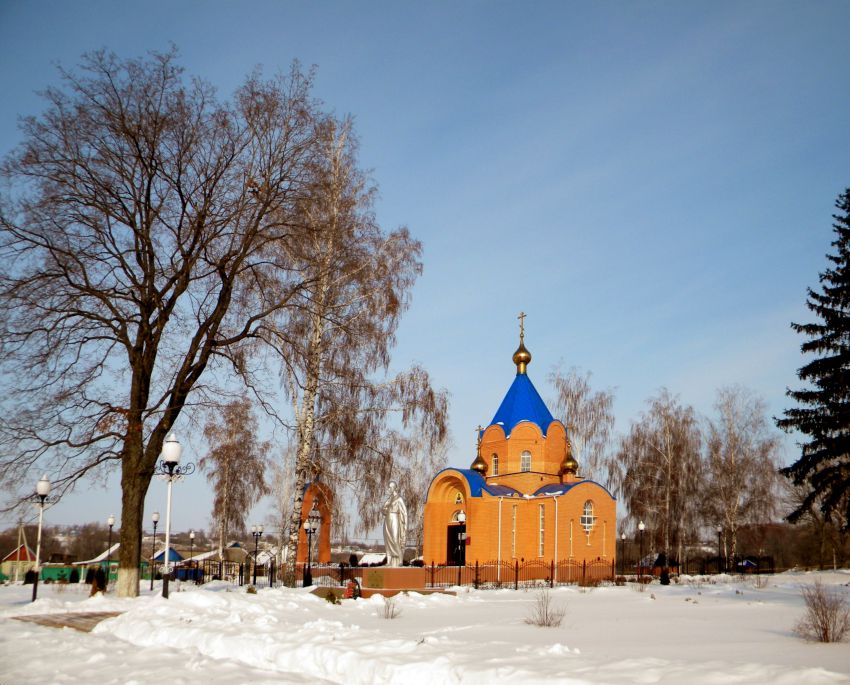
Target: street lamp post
point(622, 554)
point(719, 548)
point(170, 470)
point(641, 528)
point(155, 519)
point(257, 532)
point(42, 490)
point(461, 543)
point(110, 522)
point(191, 563)
point(311, 526)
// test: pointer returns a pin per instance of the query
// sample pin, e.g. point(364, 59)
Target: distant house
point(16, 563)
point(173, 556)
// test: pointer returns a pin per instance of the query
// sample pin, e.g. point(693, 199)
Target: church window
point(458, 499)
point(587, 517)
point(542, 530)
point(513, 530)
point(525, 461)
point(494, 464)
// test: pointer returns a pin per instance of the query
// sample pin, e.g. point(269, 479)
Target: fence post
point(516, 575)
point(584, 571)
point(613, 570)
point(552, 573)
point(458, 574)
point(432, 574)
point(475, 581)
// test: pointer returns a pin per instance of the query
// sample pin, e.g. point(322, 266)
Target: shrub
point(664, 578)
point(389, 610)
point(251, 590)
point(619, 581)
point(827, 617)
point(545, 613)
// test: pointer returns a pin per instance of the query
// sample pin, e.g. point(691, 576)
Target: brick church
point(522, 499)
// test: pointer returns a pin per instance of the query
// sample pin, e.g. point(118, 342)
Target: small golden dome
point(522, 357)
point(479, 465)
point(569, 465)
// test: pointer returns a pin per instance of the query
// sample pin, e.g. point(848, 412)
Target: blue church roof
point(477, 484)
point(522, 403)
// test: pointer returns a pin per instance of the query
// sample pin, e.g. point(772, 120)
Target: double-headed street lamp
point(641, 528)
point(42, 490)
point(169, 470)
point(155, 519)
point(110, 522)
point(311, 527)
point(257, 533)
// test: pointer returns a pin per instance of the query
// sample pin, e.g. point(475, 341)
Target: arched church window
point(525, 461)
point(458, 499)
point(587, 517)
point(494, 464)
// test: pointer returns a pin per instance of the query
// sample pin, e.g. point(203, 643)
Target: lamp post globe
point(42, 490)
point(171, 451)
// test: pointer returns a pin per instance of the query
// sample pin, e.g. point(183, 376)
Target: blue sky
point(652, 183)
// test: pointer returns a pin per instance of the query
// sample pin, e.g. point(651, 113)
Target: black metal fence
point(492, 574)
point(516, 574)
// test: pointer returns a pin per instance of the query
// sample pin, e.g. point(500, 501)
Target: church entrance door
point(456, 544)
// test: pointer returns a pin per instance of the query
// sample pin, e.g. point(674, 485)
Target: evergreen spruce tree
point(823, 414)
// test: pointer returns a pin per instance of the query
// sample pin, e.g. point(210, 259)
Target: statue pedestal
point(397, 578)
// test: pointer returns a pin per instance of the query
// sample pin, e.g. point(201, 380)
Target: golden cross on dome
point(521, 318)
point(478, 435)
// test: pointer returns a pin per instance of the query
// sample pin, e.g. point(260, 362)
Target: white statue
point(395, 526)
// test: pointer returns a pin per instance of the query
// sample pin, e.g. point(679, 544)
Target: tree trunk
point(134, 487)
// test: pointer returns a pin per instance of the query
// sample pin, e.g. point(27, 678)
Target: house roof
point(22, 553)
point(103, 556)
point(522, 402)
point(173, 555)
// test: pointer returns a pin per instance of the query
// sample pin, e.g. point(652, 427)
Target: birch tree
point(589, 418)
point(741, 463)
point(657, 470)
point(348, 426)
point(236, 467)
point(142, 233)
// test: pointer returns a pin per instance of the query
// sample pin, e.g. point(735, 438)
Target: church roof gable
point(522, 403)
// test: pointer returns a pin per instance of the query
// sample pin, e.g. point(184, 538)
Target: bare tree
point(741, 464)
point(657, 470)
point(360, 280)
point(235, 465)
point(142, 232)
point(589, 418)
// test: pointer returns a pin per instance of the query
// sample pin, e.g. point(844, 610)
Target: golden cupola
point(479, 464)
point(522, 357)
point(569, 465)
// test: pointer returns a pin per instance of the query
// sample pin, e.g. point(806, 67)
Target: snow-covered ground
point(694, 633)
